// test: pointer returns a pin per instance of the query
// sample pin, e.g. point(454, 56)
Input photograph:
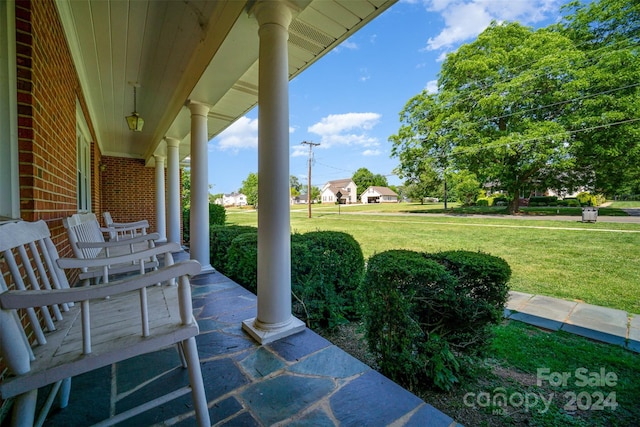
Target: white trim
point(83, 159)
point(9, 172)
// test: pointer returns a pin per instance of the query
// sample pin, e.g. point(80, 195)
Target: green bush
point(587, 199)
point(402, 295)
point(482, 292)
point(542, 200)
point(221, 237)
point(423, 312)
point(326, 270)
point(241, 265)
point(572, 202)
point(500, 200)
point(483, 201)
point(217, 216)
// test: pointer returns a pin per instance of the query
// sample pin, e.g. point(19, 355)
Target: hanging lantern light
point(134, 121)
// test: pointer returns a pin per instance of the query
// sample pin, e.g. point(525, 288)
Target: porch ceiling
point(200, 50)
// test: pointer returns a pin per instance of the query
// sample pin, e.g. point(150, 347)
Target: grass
point(527, 364)
point(598, 263)
point(625, 204)
point(594, 262)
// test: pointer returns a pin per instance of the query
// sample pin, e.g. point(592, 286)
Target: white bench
point(34, 289)
point(88, 242)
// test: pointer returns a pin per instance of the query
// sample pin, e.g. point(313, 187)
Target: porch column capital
point(279, 12)
point(172, 142)
point(198, 108)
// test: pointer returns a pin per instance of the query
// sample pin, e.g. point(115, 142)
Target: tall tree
point(250, 189)
point(364, 179)
point(606, 142)
point(294, 183)
point(496, 111)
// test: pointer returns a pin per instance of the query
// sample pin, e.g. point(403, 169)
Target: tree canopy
point(250, 188)
point(528, 109)
point(364, 179)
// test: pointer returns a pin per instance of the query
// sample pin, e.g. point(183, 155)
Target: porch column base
point(207, 269)
point(265, 333)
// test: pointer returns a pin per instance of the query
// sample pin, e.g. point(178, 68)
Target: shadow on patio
point(301, 380)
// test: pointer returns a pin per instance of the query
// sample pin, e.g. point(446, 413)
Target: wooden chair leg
point(183, 361)
point(65, 390)
point(197, 385)
point(24, 409)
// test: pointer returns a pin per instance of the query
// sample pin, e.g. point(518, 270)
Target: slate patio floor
point(302, 380)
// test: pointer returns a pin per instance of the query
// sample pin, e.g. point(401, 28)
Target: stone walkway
point(598, 323)
point(302, 380)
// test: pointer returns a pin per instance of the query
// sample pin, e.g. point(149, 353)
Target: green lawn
point(598, 263)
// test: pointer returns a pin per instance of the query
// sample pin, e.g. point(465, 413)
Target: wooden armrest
point(39, 298)
point(101, 262)
point(133, 225)
point(116, 243)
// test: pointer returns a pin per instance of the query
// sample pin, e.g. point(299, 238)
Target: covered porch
point(299, 380)
point(72, 70)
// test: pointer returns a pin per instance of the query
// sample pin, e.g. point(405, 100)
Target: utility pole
point(311, 145)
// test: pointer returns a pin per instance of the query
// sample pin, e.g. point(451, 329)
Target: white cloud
point(346, 129)
point(243, 133)
point(349, 45)
point(465, 19)
point(299, 151)
point(371, 152)
point(432, 86)
point(364, 74)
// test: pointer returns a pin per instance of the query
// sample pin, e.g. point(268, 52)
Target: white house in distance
point(233, 199)
point(346, 187)
point(375, 194)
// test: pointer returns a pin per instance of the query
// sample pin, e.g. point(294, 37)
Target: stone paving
point(302, 380)
point(598, 323)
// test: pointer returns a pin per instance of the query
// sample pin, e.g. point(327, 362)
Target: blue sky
point(349, 101)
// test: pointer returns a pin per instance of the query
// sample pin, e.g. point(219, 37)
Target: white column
point(161, 217)
point(199, 218)
point(274, 320)
point(173, 190)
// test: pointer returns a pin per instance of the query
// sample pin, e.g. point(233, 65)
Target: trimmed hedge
point(402, 294)
point(220, 237)
point(241, 263)
point(543, 201)
point(422, 312)
point(217, 216)
point(483, 292)
point(327, 269)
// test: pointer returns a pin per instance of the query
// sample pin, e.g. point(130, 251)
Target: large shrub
point(220, 237)
point(481, 292)
point(543, 201)
point(403, 294)
point(241, 264)
point(326, 271)
point(424, 311)
point(217, 216)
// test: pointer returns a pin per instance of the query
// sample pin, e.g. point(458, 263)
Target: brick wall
point(129, 190)
point(47, 86)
